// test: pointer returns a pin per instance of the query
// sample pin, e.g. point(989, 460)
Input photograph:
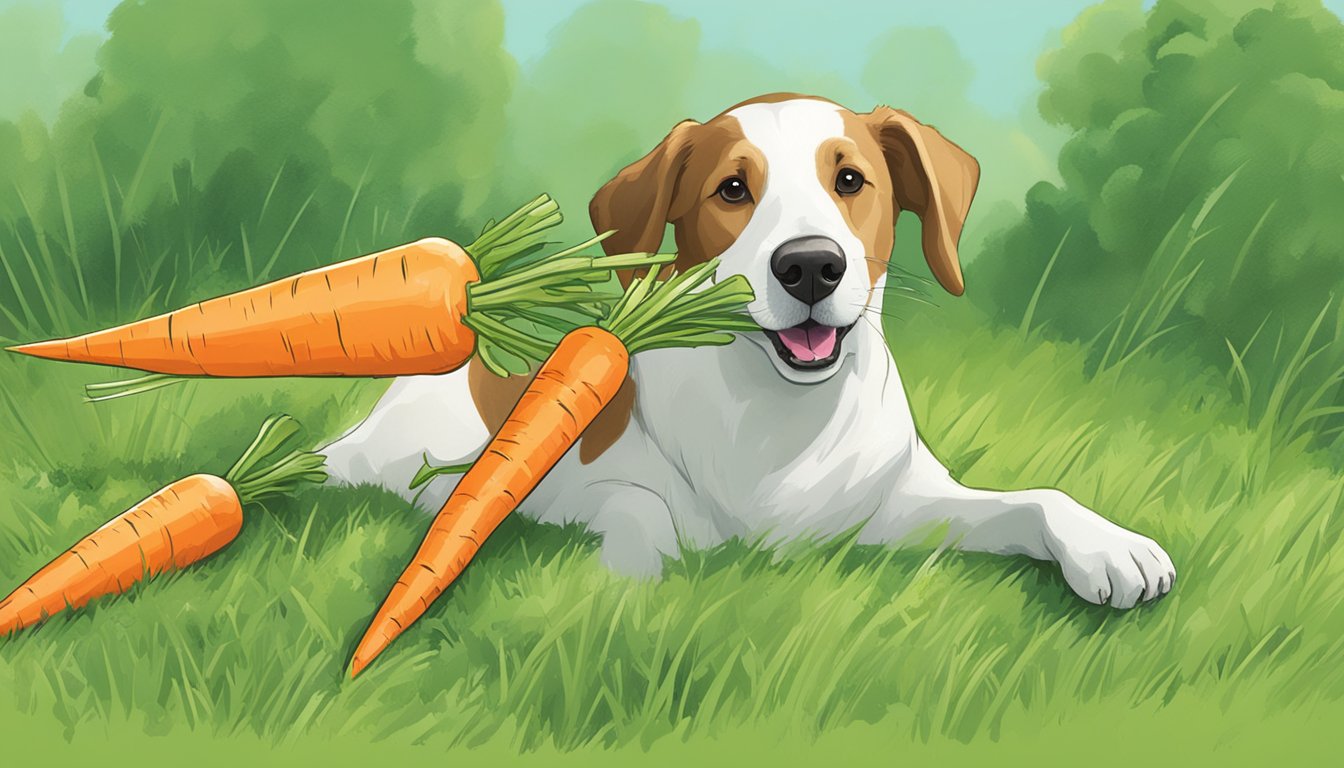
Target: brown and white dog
point(802, 430)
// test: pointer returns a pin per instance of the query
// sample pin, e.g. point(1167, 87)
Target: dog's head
point(800, 195)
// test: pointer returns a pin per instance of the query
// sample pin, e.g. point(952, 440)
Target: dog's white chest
point(764, 457)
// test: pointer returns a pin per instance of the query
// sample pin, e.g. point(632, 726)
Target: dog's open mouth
point(809, 345)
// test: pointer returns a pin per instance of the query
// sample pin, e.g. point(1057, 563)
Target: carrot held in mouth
point(574, 384)
point(184, 522)
point(421, 308)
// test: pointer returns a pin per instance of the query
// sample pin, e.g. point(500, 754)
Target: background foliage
point(227, 141)
point(1152, 323)
point(1201, 185)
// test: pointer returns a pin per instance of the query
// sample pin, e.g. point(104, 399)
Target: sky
point(1000, 38)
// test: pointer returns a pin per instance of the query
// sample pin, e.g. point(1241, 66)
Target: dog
point(802, 430)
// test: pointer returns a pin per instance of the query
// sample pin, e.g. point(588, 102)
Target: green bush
point(228, 141)
point(1199, 202)
point(1204, 168)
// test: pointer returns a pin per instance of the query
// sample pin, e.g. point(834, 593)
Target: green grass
point(738, 655)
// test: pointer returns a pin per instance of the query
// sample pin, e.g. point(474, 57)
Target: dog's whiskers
point(893, 267)
point(883, 310)
point(877, 328)
point(888, 315)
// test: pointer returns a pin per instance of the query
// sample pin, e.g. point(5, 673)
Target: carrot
point(574, 384)
point(178, 525)
point(421, 308)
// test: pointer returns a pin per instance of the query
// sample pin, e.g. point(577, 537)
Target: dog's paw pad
point(1112, 566)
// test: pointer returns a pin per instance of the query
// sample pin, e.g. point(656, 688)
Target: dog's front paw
point(1105, 563)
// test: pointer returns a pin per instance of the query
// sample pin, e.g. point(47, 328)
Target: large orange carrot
point(184, 522)
point(180, 524)
point(387, 314)
point(574, 384)
point(414, 309)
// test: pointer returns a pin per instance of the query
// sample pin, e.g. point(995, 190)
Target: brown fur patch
point(495, 398)
point(676, 183)
point(933, 177)
point(609, 425)
point(704, 224)
point(871, 213)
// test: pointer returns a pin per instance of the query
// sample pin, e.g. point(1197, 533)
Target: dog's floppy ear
point(636, 202)
point(934, 178)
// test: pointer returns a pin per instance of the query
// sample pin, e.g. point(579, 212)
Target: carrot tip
point(48, 349)
point(370, 646)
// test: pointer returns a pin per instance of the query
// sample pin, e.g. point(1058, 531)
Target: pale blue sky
point(1001, 39)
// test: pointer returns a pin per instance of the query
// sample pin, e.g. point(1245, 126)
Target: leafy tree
point(252, 137)
point(1201, 185)
point(613, 80)
point(41, 67)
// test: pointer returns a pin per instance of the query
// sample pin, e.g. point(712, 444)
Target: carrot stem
point(255, 478)
point(499, 332)
point(516, 236)
point(428, 471)
point(572, 275)
point(659, 312)
point(111, 390)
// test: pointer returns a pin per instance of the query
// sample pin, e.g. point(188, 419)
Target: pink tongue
point(808, 344)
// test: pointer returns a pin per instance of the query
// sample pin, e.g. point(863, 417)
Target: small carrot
point(574, 384)
point(414, 309)
point(184, 522)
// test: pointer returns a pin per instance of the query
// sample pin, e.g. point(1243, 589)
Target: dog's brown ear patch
point(635, 203)
point(495, 398)
point(933, 177)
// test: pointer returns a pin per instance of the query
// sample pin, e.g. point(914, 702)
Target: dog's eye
point(734, 190)
point(848, 181)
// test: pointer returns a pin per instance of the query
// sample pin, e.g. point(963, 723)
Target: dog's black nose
point(809, 268)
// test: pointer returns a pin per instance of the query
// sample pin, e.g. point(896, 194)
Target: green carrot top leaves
point(659, 312)
point(529, 297)
point(258, 474)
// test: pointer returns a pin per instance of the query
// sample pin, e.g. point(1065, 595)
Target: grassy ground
point(737, 655)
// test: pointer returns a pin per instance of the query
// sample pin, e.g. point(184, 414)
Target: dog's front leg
point(418, 417)
point(1101, 561)
point(635, 525)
